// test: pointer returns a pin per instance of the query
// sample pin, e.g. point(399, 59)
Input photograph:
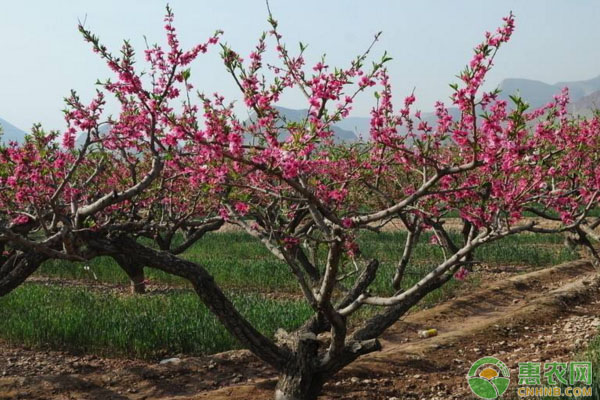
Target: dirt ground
point(452, 224)
point(546, 315)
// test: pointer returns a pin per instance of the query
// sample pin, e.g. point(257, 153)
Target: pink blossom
point(20, 220)
point(242, 208)
point(461, 274)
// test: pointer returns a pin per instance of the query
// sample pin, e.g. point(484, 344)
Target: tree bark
point(300, 379)
point(196, 234)
point(309, 268)
point(303, 370)
point(411, 241)
point(134, 270)
point(299, 385)
point(306, 371)
point(16, 269)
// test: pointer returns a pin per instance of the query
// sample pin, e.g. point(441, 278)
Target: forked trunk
point(300, 379)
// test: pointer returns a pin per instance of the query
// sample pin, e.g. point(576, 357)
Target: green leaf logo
point(488, 378)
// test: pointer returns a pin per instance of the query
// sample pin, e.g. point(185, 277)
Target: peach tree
point(172, 162)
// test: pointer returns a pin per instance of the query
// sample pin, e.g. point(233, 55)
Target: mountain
point(582, 88)
point(585, 97)
point(538, 93)
point(10, 132)
point(359, 126)
point(586, 105)
point(293, 115)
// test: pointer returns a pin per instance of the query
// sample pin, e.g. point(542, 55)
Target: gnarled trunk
point(302, 367)
point(135, 272)
point(300, 379)
point(299, 385)
point(303, 375)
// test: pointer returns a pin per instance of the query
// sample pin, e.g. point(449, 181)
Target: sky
point(43, 57)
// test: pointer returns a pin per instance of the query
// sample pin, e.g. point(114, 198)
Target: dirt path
point(453, 224)
point(153, 288)
point(540, 316)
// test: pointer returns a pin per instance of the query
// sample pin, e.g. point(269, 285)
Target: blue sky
point(43, 55)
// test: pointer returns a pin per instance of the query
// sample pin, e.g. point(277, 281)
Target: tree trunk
point(299, 385)
point(138, 280)
point(300, 379)
point(305, 373)
point(135, 272)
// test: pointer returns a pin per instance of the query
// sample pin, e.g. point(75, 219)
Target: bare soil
point(545, 315)
point(452, 224)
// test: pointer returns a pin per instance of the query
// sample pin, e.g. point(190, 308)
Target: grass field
point(139, 326)
point(237, 260)
point(174, 321)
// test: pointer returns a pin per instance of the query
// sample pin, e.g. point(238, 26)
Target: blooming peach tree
point(168, 164)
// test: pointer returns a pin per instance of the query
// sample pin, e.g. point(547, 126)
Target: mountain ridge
point(585, 97)
point(297, 115)
point(10, 133)
point(538, 93)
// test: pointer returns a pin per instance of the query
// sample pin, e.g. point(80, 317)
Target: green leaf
point(483, 388)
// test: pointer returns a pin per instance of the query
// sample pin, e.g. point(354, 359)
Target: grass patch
point(147, 326)
point(103, 269)
point(533, 250)
point(237, 260)
point(155, 325)
point(234, 259)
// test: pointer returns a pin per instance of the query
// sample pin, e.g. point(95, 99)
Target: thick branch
point(15, 270)
point(411, 241)
point(197, 234)
point(207, 290)
point(113, 198)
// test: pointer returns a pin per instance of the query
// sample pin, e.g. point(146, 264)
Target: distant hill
point(586, 105)
point(359, 126)
point(293, 115)
point(538, 93)
point(582, 88)
point(10, 132)
point(585, 97)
